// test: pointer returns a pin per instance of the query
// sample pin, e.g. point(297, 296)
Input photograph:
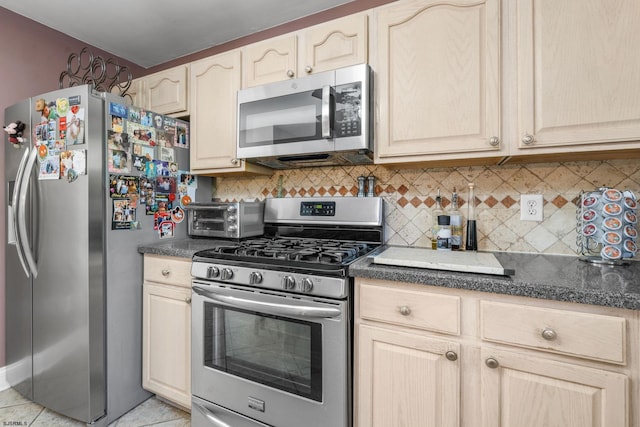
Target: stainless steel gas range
point(272, 316)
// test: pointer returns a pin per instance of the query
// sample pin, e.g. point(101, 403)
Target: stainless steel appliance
point(234, 220)
point(321, 119)
point(73, 294)
point(272, 317)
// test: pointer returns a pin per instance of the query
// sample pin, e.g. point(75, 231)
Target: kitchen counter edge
point(181, 248)
point(551, 277)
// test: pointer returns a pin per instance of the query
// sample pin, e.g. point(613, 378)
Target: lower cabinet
point(406, 379)
point(491, 360)
point(166, 333)
point(525, 391)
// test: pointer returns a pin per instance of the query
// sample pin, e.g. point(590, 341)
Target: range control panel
point(317, 208)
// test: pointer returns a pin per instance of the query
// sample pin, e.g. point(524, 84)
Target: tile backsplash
point(409, 196)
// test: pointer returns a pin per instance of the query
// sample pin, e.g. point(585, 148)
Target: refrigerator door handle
point(22, 212)
point(14, 208)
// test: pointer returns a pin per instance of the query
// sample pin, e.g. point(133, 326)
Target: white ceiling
point(151, 32)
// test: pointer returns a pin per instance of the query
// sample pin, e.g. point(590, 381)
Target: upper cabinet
point(164, 92)
point(578, 76)
point(438, 81)
point(215, 82)
point(334, 44)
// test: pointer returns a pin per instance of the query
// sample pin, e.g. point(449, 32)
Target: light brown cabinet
point(578, 76)
point(334, 44)
point(529, 391)
point(438, 69)
point(215, 82)
point(165, 92)
point(432, 356)
point(166, 328)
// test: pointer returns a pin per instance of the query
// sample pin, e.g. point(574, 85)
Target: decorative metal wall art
point(103, 75)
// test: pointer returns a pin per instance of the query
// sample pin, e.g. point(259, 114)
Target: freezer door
point(18, 291)
point(68, 292)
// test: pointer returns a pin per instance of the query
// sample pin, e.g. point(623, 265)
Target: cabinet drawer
point(409, 307)
point(589, 336)
point(169, 270)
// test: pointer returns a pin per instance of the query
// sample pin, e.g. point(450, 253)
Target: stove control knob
point(226, 274)
point(255, 278)
point(231, 208)
point(288, 282)
point(306, 285)
point(232, 218)
point(212, 272)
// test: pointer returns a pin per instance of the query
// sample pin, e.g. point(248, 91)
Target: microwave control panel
point(348, 111)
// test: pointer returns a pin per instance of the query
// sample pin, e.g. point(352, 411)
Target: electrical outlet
point(531, 207)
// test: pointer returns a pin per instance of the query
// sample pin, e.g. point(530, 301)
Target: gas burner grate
point(332, 252)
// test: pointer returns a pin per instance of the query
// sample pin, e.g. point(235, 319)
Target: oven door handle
point(270, 307)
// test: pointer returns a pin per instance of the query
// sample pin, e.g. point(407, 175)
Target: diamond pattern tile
point(409, 197)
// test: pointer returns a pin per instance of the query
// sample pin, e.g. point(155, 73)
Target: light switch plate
point(531, 207)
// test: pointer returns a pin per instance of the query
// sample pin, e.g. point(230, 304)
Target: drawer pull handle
point(549, 334)
point(187, 300)
point(451, 355)
point(166, 272)
point(492, 363)
point(405, 311)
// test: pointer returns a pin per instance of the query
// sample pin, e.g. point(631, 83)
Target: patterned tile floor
point(15, 410)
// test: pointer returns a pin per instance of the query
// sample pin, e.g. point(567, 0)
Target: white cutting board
point(471, 262)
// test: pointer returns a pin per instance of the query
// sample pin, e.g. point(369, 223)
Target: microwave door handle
point(270, 307)
point(14, 207)
point(326, 112)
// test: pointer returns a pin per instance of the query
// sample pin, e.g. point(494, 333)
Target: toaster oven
point(232, 220)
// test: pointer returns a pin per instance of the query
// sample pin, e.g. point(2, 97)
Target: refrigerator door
point(68, 292)
point(18, 291)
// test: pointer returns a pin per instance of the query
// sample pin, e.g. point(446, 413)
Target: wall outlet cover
point(531, 207)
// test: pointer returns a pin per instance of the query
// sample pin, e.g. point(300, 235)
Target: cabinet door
point(214, 85)
point(166, 347)
point(578, 74)
point(438, 69)
point(525, 391)
point(335, 44)
point(271, 60)
point(405, 380)
point(166, 92)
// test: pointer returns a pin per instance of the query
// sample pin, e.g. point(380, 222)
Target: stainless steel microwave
point(320, 119)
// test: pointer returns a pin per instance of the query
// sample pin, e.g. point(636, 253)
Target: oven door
point(264, 354)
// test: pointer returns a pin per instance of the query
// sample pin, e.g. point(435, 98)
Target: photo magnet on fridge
point(75, 125)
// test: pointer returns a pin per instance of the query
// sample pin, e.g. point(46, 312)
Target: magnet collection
point(140, 154)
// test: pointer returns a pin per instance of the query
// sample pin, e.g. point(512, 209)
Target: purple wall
point(33, 56)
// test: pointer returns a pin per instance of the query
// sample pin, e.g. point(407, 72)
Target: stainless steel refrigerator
point(73, 284)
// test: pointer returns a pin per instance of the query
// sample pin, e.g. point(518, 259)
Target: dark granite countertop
point(553, 277)
point(182, 248)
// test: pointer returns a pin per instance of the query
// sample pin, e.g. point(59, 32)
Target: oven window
point(275, 351)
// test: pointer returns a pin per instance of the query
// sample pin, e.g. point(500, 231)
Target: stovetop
point(279, 250)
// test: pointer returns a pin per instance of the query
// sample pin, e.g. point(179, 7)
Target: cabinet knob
point(290, 73)
point(166, 272)
point(451, 355)
point(494, 141)
point(549, 334)
point(234, 161)
point(404, 310)
point(308, 69)
point(527, 139)
point(187, 300)
point(492, 363)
